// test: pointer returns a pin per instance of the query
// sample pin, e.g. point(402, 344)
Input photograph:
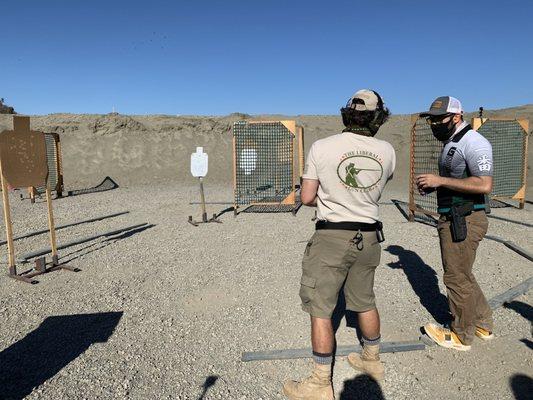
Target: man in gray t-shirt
point(465, 177)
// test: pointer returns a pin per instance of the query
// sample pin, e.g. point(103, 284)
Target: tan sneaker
point(318, 386)
point(368, 362)
point(484, 334)
point(445, 337)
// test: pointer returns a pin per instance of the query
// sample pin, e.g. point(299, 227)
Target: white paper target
point(199, 161)
point(248, 160)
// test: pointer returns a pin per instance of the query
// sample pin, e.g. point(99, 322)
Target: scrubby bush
point(5, 109)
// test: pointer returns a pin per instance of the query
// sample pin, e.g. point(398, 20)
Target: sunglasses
point(439, 120)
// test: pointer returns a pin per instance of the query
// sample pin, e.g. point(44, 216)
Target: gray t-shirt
point(470, 150)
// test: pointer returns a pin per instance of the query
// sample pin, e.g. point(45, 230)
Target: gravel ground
point(166, 312)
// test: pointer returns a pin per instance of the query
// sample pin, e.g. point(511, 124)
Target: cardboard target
point(23, 155)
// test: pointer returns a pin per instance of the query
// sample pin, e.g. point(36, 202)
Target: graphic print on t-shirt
point(448, 160)
point(484, 163)
point(360, 170)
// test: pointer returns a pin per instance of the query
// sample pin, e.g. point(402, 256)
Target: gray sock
point(371, 342)
point(322, 358)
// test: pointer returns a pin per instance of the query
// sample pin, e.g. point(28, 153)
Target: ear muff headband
point(379, 113)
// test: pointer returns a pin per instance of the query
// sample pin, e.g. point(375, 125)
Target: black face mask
point(443, 132)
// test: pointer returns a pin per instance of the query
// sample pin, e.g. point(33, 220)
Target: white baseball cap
point(444, 105)
point(363, 100)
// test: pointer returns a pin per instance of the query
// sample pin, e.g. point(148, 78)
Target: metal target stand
point(199, 166)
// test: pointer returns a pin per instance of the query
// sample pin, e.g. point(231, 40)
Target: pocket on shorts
point(307, 287)
point(375, 254)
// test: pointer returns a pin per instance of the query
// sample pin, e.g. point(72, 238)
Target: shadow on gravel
point(340, 311)
point(362, 387)
point(91, 248)
point(59, 340)
point(129, 233)
point(209, 381)
point(224, 211)
point(525, 310)
point(424, 282)
point(510, 220)
point(522, 386)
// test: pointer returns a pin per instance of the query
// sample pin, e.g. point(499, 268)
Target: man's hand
point(427, 182)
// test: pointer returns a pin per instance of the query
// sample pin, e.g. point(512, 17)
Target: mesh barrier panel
point(508, 152)
point(264, 164)
point(271, 208)
point(509, 144)
point(424, 160)
point(52, 158)
point(403, 207)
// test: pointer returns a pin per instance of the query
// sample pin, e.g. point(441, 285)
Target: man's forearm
point(471, 184)
point(311, 203)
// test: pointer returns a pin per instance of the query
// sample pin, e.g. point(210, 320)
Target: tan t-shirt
point(353, 170)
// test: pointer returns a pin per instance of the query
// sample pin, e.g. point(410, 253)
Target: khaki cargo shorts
point(331, 260)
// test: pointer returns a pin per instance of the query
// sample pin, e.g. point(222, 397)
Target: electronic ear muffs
point(380, 115)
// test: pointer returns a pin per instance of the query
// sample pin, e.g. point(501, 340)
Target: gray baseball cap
point(444, 105)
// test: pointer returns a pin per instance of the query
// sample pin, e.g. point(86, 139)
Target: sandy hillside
point(156, 148)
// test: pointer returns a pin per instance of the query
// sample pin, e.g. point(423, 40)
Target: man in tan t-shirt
point(344, 178)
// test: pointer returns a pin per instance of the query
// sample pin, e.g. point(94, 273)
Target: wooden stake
point(51, 225)
point(32, 192)
point(7, 221)
point(301, 157)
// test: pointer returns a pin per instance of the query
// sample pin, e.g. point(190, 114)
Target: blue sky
point(288, 57)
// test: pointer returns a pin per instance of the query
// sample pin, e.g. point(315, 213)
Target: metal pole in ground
point(287, 354)
point(204, 213)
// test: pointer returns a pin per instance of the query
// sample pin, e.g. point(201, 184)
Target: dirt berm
point(156, 148)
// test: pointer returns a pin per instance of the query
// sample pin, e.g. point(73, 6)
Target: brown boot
point(368, 362)
point(315, 387)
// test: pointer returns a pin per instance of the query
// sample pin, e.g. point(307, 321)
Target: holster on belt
point(379, 232)
point(458, 220)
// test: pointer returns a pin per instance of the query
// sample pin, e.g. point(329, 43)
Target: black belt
point(349, 226)
point(448, 216)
